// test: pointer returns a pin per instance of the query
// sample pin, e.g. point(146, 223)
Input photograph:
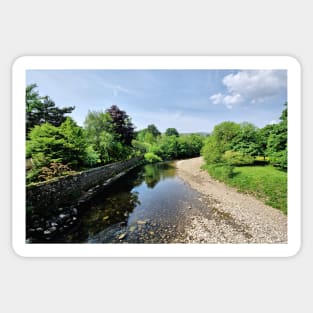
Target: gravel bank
point(235, 217)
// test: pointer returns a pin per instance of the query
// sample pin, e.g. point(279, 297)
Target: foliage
point(171, 132)
point(122, 125)
point(101, 136)
point(246, 140)
point(189, 145)
point(212, 150)
point(224, 133)
point(262, 136)
point(141, 146)
point(240, 144)
point(220, 141)
point(54, 170)
point(40, 110)
point(50, 144)
point(279, 159)
point(172, 147)
point(152, 129)
point(237, 158)
point(150, 157)
point(149, 135)
point(92, 157)
point(168, 147)
point(277, 142)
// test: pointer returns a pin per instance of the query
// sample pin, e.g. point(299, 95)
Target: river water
point(150, 204)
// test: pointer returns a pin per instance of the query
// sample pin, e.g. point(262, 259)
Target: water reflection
point(147, 205)
point(153, 173)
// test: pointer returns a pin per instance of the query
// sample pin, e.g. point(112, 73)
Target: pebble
point(141, 222)
point(122, 236)
point(132, 228)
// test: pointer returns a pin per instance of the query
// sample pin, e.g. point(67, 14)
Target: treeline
point(58, 146)
point(245, 144)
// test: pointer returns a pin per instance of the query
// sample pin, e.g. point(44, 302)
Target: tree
point(277, 142)
point(262, 136)
point(96, 124)
point(40, 110)
point(99, 132)
point(246, 140)
point(152, 129)
point(211, 151)
point(189, 145)
point(63, 145)
point(224, 133)
point(121, 125)
point(171, 132)
point(168, 148)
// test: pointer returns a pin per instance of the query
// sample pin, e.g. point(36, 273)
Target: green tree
point(40, 110)
point(171, 132)
point(225, 133)
point(167, 148)
point(212, 151)
point(246, 140)
point(262, 136)
point(277, 142)
point(152, 129)
point(100, 134)
point(189, 145)
point(63, 145)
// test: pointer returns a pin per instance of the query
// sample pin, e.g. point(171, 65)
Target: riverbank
point(236, 217)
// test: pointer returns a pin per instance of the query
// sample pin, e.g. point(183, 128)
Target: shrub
point(91, 156)
point(237, 158)
point(279, 159)
point(211, 151)
point(54, 170)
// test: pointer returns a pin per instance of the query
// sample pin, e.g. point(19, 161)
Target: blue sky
point(189, 100)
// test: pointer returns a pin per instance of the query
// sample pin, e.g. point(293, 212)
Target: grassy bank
point(264, 182)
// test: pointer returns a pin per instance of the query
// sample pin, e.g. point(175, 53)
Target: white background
point(169, 28)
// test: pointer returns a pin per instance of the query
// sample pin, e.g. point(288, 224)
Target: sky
point(188, 100)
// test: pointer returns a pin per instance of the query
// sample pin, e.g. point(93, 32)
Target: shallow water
point(150, 204)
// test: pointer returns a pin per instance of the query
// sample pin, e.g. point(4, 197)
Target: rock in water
point(122, 236)
point(141, 222)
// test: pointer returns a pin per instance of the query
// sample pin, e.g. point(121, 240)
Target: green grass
point(264, 182)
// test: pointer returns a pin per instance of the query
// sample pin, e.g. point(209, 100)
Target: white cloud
point(252, 86)
point(229, 100)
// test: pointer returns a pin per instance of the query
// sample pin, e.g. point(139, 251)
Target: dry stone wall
point(77, 187)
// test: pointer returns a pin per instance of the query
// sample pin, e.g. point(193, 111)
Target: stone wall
point(75, 188)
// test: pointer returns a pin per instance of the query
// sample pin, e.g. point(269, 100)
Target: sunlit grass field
point(264, 182)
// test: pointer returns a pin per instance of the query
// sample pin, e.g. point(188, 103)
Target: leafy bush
point(237, 158)
point(152, 158)
point(211, 151)
point(92, 157)
point(279, 159)
point(220, 171)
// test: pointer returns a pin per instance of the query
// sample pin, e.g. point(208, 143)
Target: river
point(150, 204)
